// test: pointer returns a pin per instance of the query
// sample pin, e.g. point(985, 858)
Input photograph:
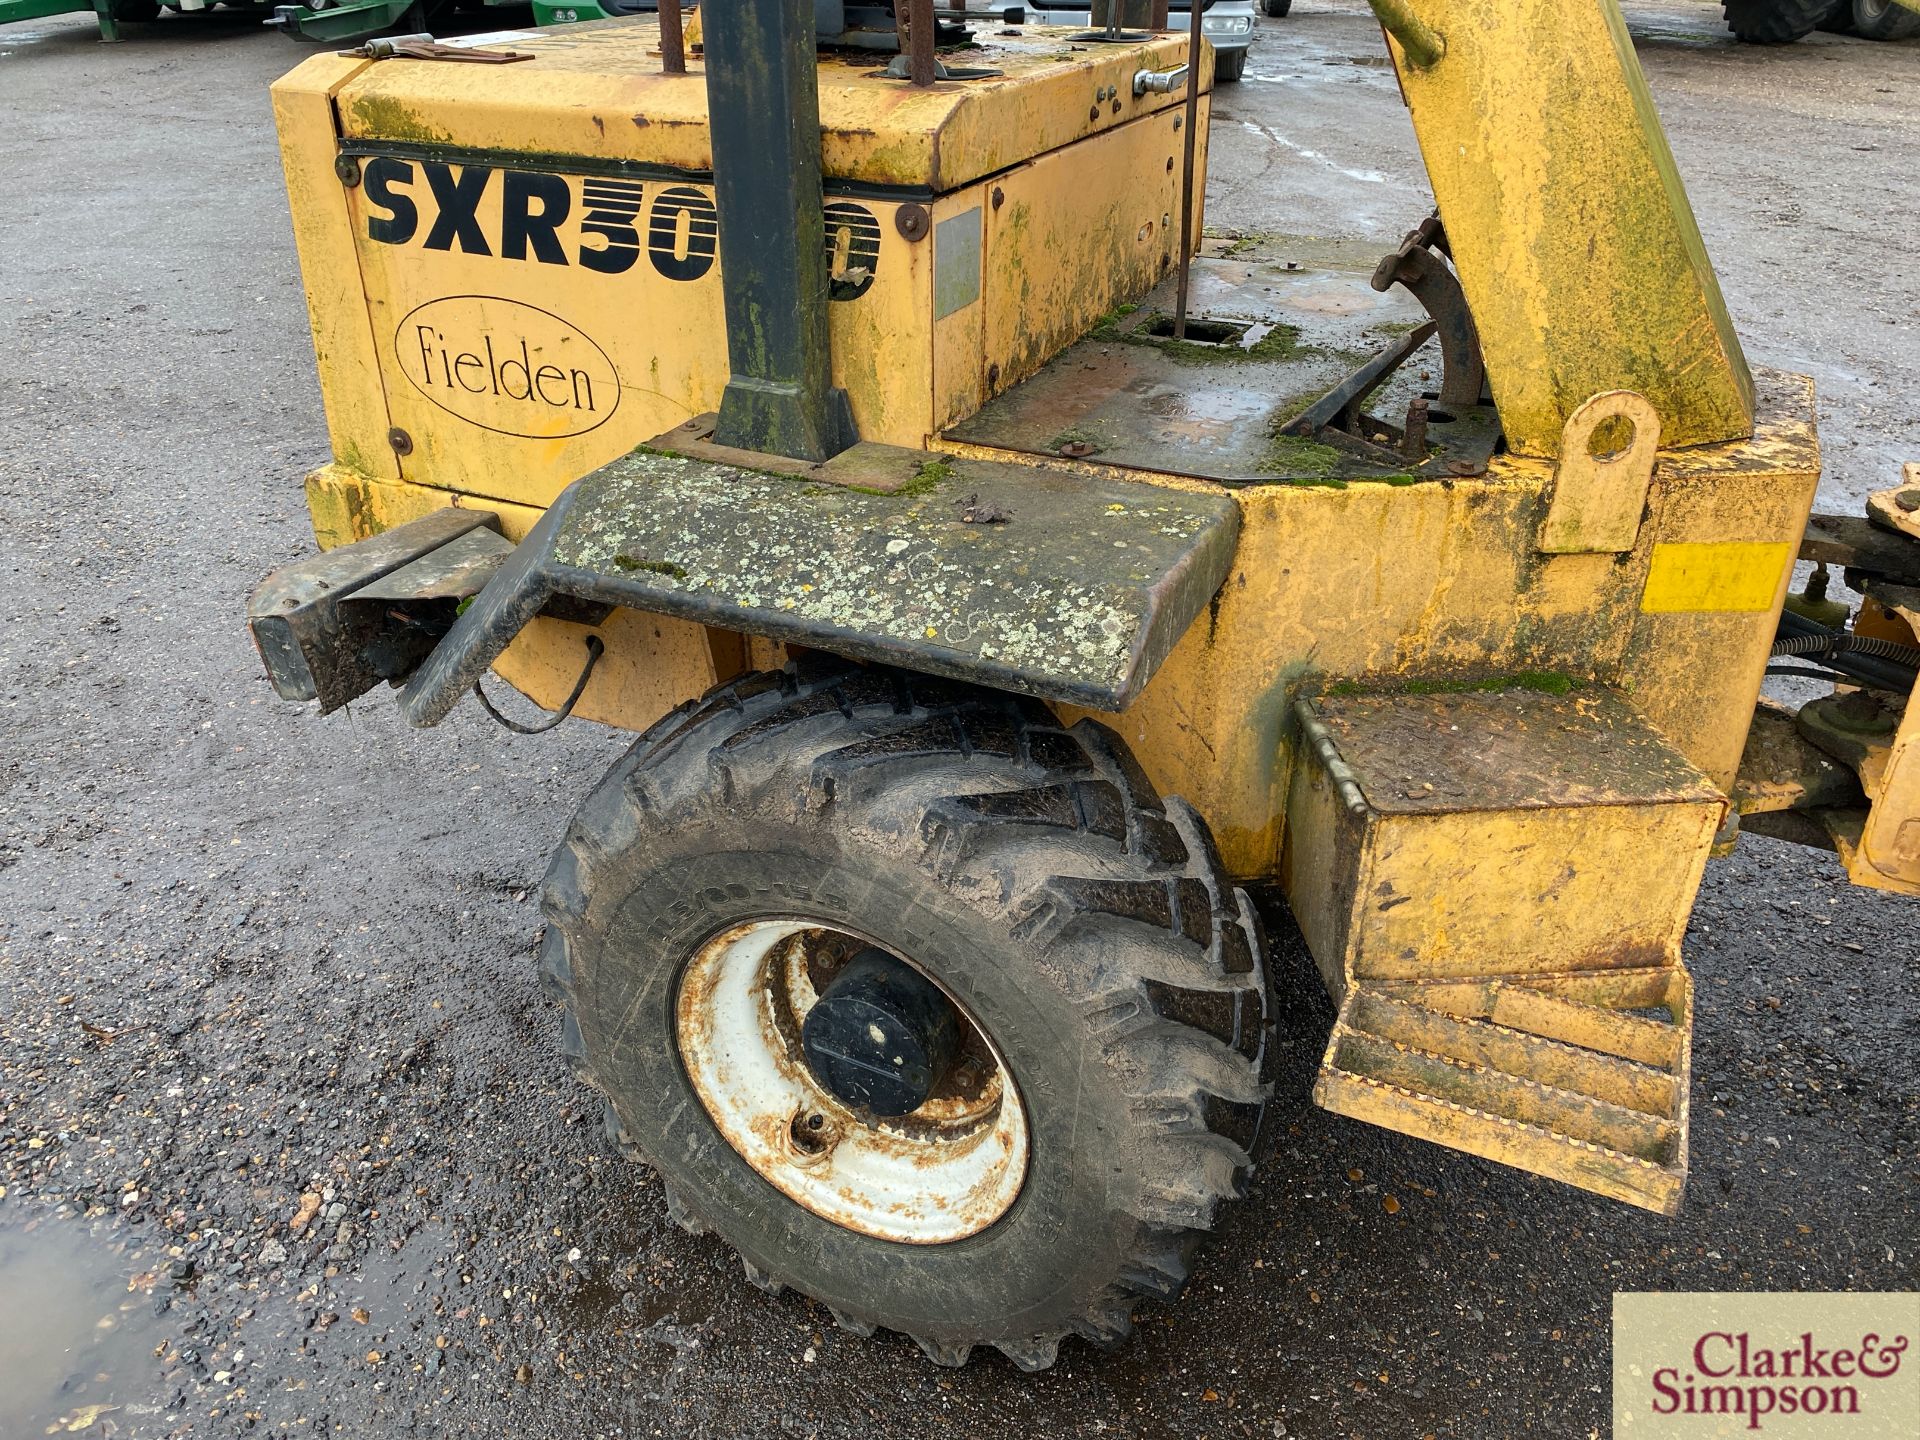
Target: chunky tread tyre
point(1229, 66)
point(1774, 22)
point(1111, 902)
point(1882, 20)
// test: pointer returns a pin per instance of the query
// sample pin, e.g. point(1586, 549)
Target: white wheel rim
point(947, 1171)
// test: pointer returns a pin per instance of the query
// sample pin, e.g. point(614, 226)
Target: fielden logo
point(1778, 1364)
point(507, 366)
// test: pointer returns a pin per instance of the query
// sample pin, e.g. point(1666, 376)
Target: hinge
point(425, 47)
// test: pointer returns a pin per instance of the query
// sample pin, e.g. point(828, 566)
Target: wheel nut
point(810, 1137)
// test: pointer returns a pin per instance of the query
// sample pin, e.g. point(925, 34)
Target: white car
point(1227, 24)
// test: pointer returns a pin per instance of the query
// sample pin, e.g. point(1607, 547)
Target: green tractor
point(109, 12)
point(1781, 22)
point(328, 21)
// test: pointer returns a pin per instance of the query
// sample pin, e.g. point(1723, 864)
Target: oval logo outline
point(560, 322)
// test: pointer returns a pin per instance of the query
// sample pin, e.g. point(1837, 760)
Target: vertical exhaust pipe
point(763, 114)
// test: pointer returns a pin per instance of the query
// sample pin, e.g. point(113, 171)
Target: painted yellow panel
point(1534, 890)
point(343, 340)
point(1052, 273)
point(596, 91)
point(1725, 577)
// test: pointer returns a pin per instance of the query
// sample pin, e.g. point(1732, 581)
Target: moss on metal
point(386, 118)
point(1540, 682)
point(1299, 461)
point(1281, 342)
point(1079, 594)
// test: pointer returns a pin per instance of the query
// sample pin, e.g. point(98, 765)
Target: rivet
point(347, 168)
point(400, 440)
point(999, 197)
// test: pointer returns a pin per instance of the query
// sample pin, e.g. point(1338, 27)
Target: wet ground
point(285, 1142)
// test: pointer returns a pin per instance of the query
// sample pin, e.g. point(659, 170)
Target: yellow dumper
point(854, 426)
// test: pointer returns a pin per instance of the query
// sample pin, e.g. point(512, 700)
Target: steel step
point(1579, 1076)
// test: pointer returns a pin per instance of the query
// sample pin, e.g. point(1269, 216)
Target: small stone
point(273, 1253)
point(303, 1214)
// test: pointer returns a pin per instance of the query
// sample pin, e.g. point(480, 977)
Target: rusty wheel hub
point(789, 1096)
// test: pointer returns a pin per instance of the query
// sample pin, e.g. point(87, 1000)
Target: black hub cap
point(881, 1036)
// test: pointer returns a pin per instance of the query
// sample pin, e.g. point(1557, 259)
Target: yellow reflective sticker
point(1731, 577)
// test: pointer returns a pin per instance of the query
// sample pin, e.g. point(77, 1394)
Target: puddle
point(77, 1332)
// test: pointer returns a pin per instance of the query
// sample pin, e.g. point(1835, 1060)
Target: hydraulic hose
point(1864, 659)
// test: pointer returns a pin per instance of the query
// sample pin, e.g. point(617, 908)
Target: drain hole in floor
point(1202, 331)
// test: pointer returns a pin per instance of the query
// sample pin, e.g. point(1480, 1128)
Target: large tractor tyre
point(1883, 20)
point(772, 854)
point(1774, 22)
point(1229, 65)
point(1275, 9)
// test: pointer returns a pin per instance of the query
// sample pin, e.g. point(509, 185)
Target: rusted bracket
point(1598, 499)
point(1341, 406)
point(1463, 374)
point(425, 47)
point(332, 626)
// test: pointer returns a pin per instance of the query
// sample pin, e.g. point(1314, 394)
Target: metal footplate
point(1581, 1077)
point(1058, 586)
point(1531, 1008)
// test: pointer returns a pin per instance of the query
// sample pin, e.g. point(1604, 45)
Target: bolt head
point(912, 221)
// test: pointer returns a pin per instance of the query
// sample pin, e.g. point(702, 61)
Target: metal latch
point(425, 47)
point(1159, 82)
